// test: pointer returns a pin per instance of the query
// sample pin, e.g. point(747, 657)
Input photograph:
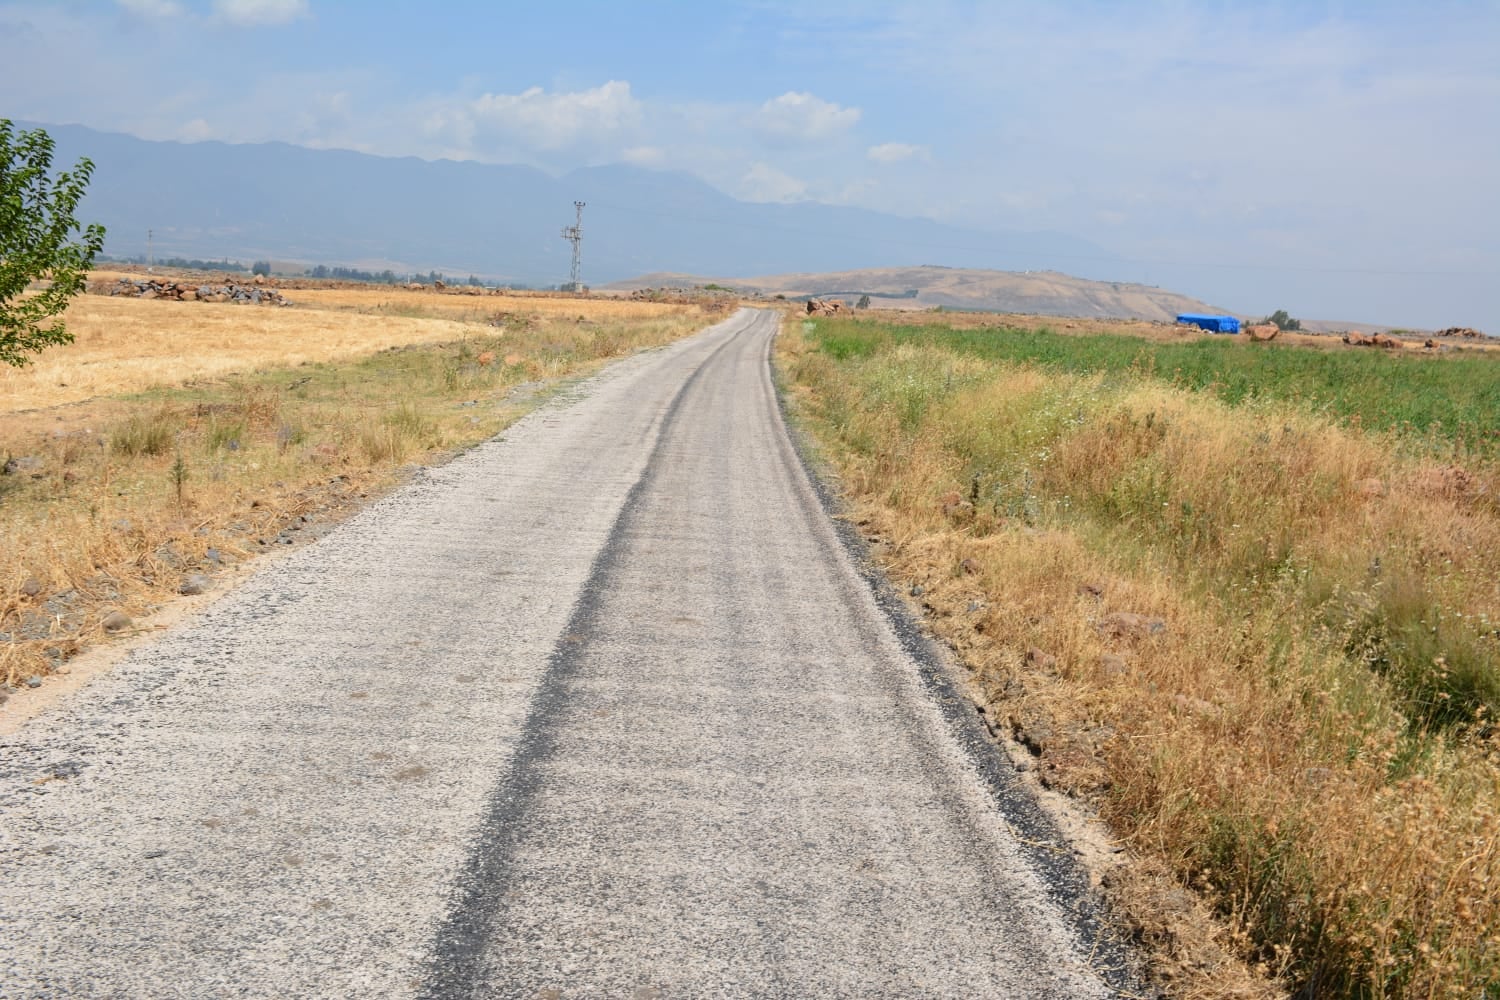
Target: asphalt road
point(603, 708)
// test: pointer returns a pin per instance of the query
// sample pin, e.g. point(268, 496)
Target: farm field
point(174, 440)
point(1242, 598)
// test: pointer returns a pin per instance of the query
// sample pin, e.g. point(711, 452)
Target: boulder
point(1263, 331)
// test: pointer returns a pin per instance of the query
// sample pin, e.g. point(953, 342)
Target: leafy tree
point(262, 268)
point(863, 303)
point(1284, 322)
point(36, 241)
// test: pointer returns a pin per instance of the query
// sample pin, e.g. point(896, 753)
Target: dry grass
point(1262, 643)
point(244, 429)
point(126, 345)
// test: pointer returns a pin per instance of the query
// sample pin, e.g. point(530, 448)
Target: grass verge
point(1259, 634)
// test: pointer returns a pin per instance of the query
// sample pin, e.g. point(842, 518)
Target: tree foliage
point(37, 241)
point(863, 303)
point(1284, 322)
point(262, 268)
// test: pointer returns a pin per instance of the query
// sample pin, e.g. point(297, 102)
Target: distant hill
point(281, 202)
point(1042, 293)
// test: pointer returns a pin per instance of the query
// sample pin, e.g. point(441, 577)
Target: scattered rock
point(155, 289)
point(825, 307)
point(1197, 706)
point(31, 587)
point(1460, 331)
point(194, 584)
point(213, 556)
point(1041, 660)
point(116, 621)
point(1113, 665)
point(917, 590)
point(1091, 590)
point(1129, 625)
point(33, 681)
point(969, 566)
point(975, 606)
point(23, 463)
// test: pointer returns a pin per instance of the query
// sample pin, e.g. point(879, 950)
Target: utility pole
point(149, 261)
point(574, 235)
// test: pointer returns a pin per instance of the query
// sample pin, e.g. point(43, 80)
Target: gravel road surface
point(603, 708)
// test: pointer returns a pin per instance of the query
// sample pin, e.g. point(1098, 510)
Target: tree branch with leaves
point(40, 240)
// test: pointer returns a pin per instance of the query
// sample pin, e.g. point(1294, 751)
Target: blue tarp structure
point(1216, 324)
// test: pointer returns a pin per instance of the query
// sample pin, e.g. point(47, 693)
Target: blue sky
point(1338, 159)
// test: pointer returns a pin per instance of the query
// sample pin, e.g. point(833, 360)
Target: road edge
point(1039, 838)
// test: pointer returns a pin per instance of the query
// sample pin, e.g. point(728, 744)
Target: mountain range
point(290, 203)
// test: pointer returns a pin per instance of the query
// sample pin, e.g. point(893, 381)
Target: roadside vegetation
point(175, 440)
point(1241, 597)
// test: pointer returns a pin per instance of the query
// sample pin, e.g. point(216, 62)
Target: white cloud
point(152, 8)
point(795, 118)
point(894, 152)
point(765, 183)
point(256, 13)
point(555, 121)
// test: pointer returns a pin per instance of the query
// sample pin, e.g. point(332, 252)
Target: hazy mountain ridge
point(1043, 293)
point(273, 200)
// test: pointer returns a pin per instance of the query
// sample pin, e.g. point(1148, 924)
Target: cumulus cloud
point(764, 182)
point(895, 152)
point(151, 8)
point(552, 121)
point(254, 13)
point(795, 118)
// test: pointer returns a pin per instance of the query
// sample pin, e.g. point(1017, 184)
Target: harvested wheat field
point(174, 441)
point(126, 345)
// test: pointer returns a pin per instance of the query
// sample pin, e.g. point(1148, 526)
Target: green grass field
point(1454, 397)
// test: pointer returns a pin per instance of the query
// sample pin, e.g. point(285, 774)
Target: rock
point(23, 463)
point(975, 606)
point(1113, 665)
point(116, 621)
point(1129, 625)
point(917, 590)
point(31, 587)
point(485, 359)
point(195, 583)
point(1041, 660)
point(1090, 590)
point(213, 556)
point(1197, 706)
point(33, 681)
point(1263, 331)
point(969, 566)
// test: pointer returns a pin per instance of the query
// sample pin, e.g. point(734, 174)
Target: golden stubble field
point(172, 442)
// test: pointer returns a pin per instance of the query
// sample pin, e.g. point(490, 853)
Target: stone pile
point(1460, 331)
point(185, 291)
point(825, 307)
point(1356, 339)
